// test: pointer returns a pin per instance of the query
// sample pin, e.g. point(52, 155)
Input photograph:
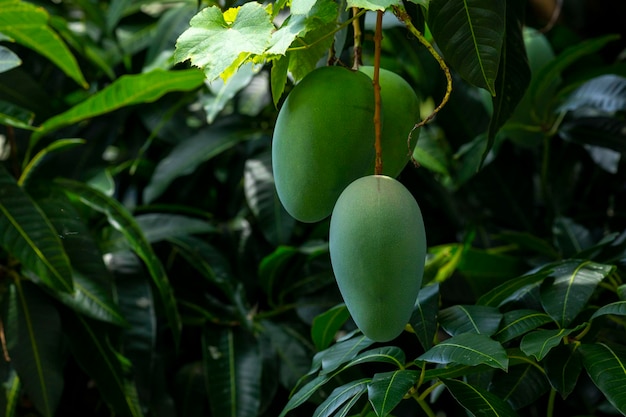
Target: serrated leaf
point(232, 361)
point(387, 389)
point(127, 90)
point(373, 4)
point(326, 325)
point(341, 395)
point(573, 285)
point(477, 319)
point(521, 386)
point(218, 41)
point(27, 24)
point(470, 34)
point(515, 323)
point(468, 349)
point(424, 317)
point(563, 366)
point(119, 218)
point(388, 354)
point(8, 59)
point(606, 365)
point(478, 401)
point(538, 343)
point(34, 342)
point(27, 234)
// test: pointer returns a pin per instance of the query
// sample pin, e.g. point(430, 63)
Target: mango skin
point(323, 140)
point(377, 251)
point(400, 112)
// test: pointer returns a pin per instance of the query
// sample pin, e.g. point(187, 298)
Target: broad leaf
point(123, 221)
point(563, 366)
point(13, 115)
point(28, 25)
point(126, 91)
point(341, 395)
point(27, 234)
point(304, 393)
point(606, 365)
point(468, 349)
point(386, 390)
point(219, 42)
point(424, 317)
point(91, 346)
point(538, 343)
point(260, 191)
point(57, 145)
point(516, 323)
point(478, 401)
point(617, 308)
point(513, 289)
point(189, 390)
point(34, 340)
point(570, 237)
point(8, 59)
point(573, 285)
point(293, 352)
point(470, 34)
point(342, 352)
point(604, 94)
point(232, 360)
point(521, 386)
point(478, 319)
point(373, 4)
point(326, 325)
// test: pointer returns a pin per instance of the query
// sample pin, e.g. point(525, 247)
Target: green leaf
point(34, 341)
point(343, 351)
point(563, 366)
point(293, 351)
point(187, 155)
point(219, 42)
point(515, 323)
point(126, 91)
point(57, 145)
point(570, 237)
point(478, 401)
point(617, 308)
point(373, 4)
point(91, 346)
point(189, 390)
point(13, 115)
point(28, 25)
point(530, 242)
point(12, 394)
point(27, 234)
point(123, 221)
point(347, 393)
point(606, 365)
point(260, 191)
point(326, 325)
point(521, 386)
point(538, 343)
point(470, 34)
point(387, 389)
point(232, 360)
point(468, 349)
point(222, 92)
point(304, 393)
point(424, 317)
point(513, 288)
point(477, 319)
point(8, 59)
point(574, 284)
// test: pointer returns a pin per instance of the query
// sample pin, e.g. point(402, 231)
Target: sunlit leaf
point(342, 352)
point(387, 389)
point(606, 365)
point(326, 325)
point(293, 352)
point(468, 349)
point(16, 116)
point(478, 401)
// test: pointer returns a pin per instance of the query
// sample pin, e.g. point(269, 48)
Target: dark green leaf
point(28, 235)
point(190, 390)
point(232, 360)
point(468, 349)
point(538, 343)
point(34, 340)
point(570, 237)
point(515, 323)
point(574, 283)
point(326, 325)
point(294, 355)
point(563, 366)
point(454, 371)
point(305, 393)
point(341, 395)
point(386, 390)
point(478, 319)
point(606, 365)
point(478, 401)
point(513, 289)
point(521, 386)
point(617, 308)
point(172, 23)
point(343, 351)
point(123, 221)
point(530, 242)
point(424, 317)
point(470, 33)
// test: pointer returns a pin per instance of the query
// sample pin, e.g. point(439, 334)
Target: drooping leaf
point(57, 145)
point(27, 24)
point(468, 349)
point(470, 34)
point(387, 389)
point(28, 235)
point(8, 59)
point(478, 401)
point(126, 91)
point(606, 365)
point(538, 343)
point(424, 317)
point(122, 220)
point(34, 341)
point(220, 42)
point(516, 323)
point(232, 360)
point(326, 325)
point(347, 393)
point(521, 386)
point(260, 192)
point(478, 319)
point(573, 285)
point(563, 366)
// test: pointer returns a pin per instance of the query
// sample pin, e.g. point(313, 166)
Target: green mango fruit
point(377, 250)
point(400, 112)
point(323, 140)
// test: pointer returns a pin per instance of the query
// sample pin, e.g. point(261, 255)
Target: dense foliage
point(147, 267)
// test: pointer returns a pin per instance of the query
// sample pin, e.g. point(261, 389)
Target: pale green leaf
point(373, 4)
point(479, 319)
point(8, 59)
point(13, 115)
